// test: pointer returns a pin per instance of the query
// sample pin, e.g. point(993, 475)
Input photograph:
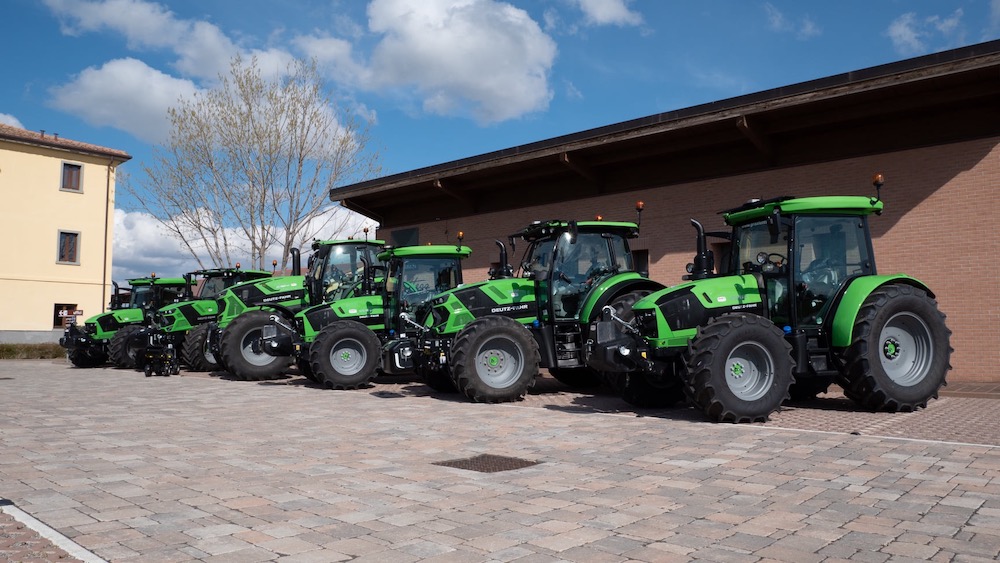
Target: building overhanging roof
point(940, 98)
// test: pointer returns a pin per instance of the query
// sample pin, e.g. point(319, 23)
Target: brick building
point(931, 125)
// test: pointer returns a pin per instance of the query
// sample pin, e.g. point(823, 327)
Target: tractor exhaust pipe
point(296, 262)
point(704, 261)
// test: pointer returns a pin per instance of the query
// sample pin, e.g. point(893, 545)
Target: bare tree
point(250, 164)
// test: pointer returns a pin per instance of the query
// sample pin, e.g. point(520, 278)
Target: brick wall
point(938, 226)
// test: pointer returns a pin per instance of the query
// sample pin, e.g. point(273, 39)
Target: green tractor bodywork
point(335, 272)
point(339, 344)
point(106, 336)
point(799, 307)
point(179, 331)
point(488, 339)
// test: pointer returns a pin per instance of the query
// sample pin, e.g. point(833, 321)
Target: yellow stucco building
point(58, 213)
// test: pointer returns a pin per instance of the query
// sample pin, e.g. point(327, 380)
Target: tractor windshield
point(212, 287)
point(342, 267)
point(142, 295)
point(423, 278)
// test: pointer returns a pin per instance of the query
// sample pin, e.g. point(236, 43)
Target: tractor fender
point(854, 296)
point(612, 287)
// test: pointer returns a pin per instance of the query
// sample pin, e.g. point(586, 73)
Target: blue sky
point(439, 80)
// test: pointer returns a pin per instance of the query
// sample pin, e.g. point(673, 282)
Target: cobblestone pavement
point(202, 468)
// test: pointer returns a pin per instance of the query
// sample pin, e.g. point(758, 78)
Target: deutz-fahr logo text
point(276, 298)
point(510, 308)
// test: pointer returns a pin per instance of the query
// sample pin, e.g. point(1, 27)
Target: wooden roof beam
point(464, 198)
point(762, 143)
point(582, 170)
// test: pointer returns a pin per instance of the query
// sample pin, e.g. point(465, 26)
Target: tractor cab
point(567, 259)
point(804, 251)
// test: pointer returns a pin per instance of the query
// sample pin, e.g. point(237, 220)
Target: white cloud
point(608, 12)
point(126, 94)
point(912, 36)
point(482, 58)
point(803, 28)
point(8, 119)
point(203, 49)
point(142, 245)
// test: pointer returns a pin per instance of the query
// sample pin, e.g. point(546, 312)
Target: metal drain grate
point(488, 463)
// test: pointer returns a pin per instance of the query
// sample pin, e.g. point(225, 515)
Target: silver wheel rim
point(905, 349)
point(499, 362)
point(750, 371)
point(348, 356)
point(246, 348)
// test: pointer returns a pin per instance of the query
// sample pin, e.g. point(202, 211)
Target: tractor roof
point(547, 229)
point(427, 250)
point(223, 272)
point(157, 281)
point(756, 210)
point(373, 242)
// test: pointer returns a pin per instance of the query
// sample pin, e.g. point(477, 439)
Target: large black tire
point(437, 379)
point(577, 378)
point(306, 369)
point(900, 353)
point(739, 368)
point(87, 357)
point(646, 390)
point(345, 355)
point(494, 360)
point(124, 347)
point(241, 352)
point(807, 388)
point(195, 352)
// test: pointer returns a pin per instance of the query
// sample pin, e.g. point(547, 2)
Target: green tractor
point(179, 331)
point(336, 270)
point(107, 336)
point(801, 306)
point(488, 339)
point(341, 341)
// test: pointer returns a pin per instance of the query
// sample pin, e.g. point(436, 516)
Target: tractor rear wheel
point(494, 360)
point(900, 354)
point(86, 357)
point(124, 346)
point(577, 378)
point(196, 353)
point(739, 368)
point(241, 353)
point(345, 355)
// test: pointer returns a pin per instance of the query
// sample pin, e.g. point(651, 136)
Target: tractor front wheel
point(87, 357)
point(739, 368)
point(900, 354)
point(494, 360)
point(124, 346)
point(345, 355)
point(196, 352)
point(240, 348)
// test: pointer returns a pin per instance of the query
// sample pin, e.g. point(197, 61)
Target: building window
point(71, 177)
point(64, 314)
point(69, 248)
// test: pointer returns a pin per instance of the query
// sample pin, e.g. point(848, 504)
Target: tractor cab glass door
point(577, 267)
point(536, 265)
point(142, 295)
point(758, 251)
point(829, 251)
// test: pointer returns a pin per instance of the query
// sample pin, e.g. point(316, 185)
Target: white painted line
point(61, 541)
